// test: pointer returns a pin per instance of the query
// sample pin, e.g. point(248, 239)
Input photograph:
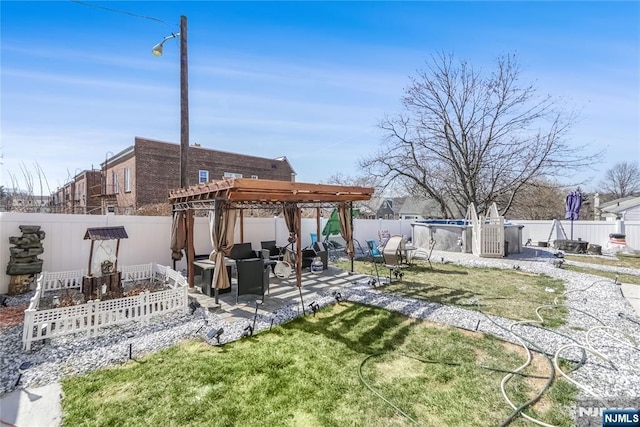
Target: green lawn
point(306, 373)
point(611, 275)
point(507, 293)
point(618, 261)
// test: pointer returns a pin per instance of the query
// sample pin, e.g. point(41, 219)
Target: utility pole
point(184, 98)
point(184, 105)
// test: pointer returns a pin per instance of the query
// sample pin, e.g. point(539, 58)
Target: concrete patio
point(281, 293)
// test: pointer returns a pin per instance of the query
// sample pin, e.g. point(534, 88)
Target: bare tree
point(465, 137)
point(537, 200)
point(622, 180)
point(360, 180)
point(25, 189)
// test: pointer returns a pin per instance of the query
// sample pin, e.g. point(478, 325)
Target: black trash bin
point(506, 248)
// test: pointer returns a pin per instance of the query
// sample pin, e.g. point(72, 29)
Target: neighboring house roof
point(117, 157)
point(620, 205)
point(284, 159)
point(427, 208)
point(616, 202)
point(369, 207)
point(379, 204)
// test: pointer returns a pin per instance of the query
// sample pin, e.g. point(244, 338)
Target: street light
point(157, 49)
point(184, 97)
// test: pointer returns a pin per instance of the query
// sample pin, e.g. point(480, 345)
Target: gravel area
point(592, 301)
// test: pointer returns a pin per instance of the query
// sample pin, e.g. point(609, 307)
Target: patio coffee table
point(206, 280)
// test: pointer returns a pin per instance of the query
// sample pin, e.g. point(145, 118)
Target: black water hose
point(442, 362)
point(517, 411)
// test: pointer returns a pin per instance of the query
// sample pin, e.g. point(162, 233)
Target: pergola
point(227, 197)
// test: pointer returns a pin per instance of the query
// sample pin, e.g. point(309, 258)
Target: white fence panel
point(93, 315)
point(595, 232)
point(134, 273)
point(149, 237)
point(632, 233)
point(61, 280)
point(64, 246)
point(368, 229)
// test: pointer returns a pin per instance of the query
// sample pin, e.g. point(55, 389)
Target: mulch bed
point(11, 316)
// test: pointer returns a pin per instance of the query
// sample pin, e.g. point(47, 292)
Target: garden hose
point(442, 362)
point(588, 348)
point(517, 410)
point(554, 364)
point(624, 316)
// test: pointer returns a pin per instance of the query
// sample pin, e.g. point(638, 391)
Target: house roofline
point(279, 159)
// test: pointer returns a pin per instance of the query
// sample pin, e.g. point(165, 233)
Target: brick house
point(81, 195)
point(143, 173)
point(88, 187)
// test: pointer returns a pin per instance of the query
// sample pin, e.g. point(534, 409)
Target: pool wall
point(456, 235)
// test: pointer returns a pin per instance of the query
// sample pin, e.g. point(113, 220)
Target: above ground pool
point(455, 235)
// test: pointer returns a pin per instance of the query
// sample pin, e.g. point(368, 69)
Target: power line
point(119, 11)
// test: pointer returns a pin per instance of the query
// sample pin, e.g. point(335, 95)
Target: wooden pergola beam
point(270, 191)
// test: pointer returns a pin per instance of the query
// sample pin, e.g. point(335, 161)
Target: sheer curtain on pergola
point(222, 226)
point(292, 218)
point(178, 235)
point(346, 228)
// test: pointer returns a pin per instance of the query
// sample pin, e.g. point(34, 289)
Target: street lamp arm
point(157, 49)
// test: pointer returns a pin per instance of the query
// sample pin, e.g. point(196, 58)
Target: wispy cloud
point(78, 80)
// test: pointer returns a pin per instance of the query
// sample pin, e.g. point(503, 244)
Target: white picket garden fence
point(92, 316)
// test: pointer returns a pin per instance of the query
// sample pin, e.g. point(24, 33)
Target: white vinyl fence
point(595, 232)
point(91, 316)
point(149, 237)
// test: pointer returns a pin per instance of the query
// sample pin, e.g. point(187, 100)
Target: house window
point(114, 181)
point(203, 176)
point(232, 175)
point(254, 176)
point(127, 180)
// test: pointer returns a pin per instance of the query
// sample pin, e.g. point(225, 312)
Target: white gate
point(488, 232)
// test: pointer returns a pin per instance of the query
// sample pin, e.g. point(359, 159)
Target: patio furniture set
point(252, 269)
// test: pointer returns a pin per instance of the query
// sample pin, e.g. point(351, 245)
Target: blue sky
point(306, 80)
